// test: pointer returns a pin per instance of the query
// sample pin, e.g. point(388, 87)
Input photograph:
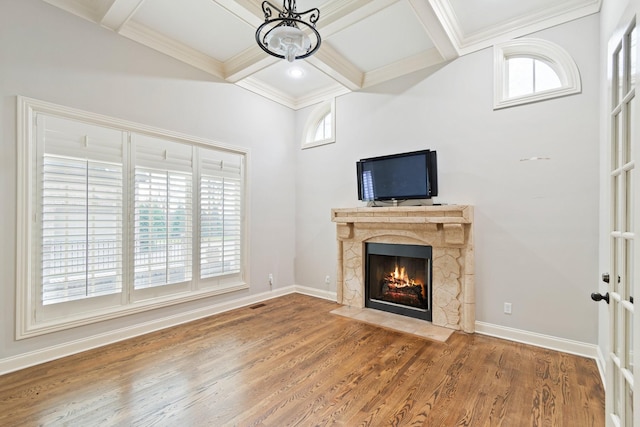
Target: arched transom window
point(530, 70)
point(320, 128)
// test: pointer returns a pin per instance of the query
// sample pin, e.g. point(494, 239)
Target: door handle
point(600, 297)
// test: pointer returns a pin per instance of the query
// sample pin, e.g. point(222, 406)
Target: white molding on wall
point(22, 361)
point(161, 43)
point(318, 293)
point(539, 340)
point(26, 360)
point(256, 86)
point(517, 27)
point(15, 363)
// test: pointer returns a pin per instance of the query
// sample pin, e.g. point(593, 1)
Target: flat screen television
point(398, 177)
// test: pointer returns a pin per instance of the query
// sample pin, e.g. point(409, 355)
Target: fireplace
point(448, 230)
point(398, 279)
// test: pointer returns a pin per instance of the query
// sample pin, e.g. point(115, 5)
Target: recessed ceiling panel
point(200, 24)
point(386, 37)
point(279, 76)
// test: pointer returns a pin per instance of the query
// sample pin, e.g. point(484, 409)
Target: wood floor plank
point(291, 362)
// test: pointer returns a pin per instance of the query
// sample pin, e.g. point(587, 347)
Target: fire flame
point(400, 279)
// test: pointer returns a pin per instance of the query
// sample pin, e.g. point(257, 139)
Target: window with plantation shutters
point(81, 199)
point(115, 218)
point(162, 212)
point(81, 229)
point(220, 214)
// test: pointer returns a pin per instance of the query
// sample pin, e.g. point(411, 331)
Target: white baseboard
point(318, 293)
point(539, 340)
point(14, 363)
point(25, 360)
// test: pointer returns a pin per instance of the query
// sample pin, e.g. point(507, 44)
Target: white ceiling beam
point(443, 39)
point(120, 13)
point(335, 15)
point(254, 59)
point(336, 66)
point(247, 63)
point(173, 48)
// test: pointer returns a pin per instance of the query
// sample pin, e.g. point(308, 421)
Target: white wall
point(536, 223)
point(51, 55)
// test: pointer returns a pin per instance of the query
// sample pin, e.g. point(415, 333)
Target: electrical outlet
point(507, 308)
point(270, 279)
point(327, 280)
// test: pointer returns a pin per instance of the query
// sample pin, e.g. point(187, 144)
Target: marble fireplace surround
point(447, 229)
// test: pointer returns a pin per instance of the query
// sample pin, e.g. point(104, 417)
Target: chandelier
point(287, 35)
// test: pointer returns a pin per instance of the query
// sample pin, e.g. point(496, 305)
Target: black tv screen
point(402, 176)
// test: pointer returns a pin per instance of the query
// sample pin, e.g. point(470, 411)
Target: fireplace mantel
point(447, 229)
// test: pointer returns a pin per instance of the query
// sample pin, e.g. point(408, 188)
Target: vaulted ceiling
point(364, 42)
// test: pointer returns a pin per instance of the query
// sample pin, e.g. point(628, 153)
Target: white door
point(622, 404)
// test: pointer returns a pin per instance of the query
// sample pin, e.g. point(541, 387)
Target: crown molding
point(79, 8)
point(253, 85)
point(150, 38)
point(468, 43)
point(247, 63)
point(437, 17)
point(403, 67)
point(119, 13)
point(428, 17)
point(321, 95)
point(532, 23)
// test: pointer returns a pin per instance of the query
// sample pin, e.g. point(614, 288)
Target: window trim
point(27, 324)
point(550, 53)
point(318, 114)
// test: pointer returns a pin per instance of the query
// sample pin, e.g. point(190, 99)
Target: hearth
point(447, 229)
point(398, 279)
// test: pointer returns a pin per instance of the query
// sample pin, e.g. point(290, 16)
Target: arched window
point(320, 128)
point(323, 128)
point(530, 70)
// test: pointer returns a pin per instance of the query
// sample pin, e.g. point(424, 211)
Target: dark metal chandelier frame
point(287, 17)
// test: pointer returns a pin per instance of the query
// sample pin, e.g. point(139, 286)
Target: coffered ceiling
point(364, 42)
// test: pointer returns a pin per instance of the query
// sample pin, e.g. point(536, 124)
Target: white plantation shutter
point(162, 212)
point(116, 218)
point(220, 213)
point(81, 199)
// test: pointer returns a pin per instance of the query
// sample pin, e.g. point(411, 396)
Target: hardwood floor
point(291, 362)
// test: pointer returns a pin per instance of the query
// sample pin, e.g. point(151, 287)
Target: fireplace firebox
point(398, 279)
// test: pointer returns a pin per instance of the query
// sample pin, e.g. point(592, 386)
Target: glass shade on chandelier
point(289, 35)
